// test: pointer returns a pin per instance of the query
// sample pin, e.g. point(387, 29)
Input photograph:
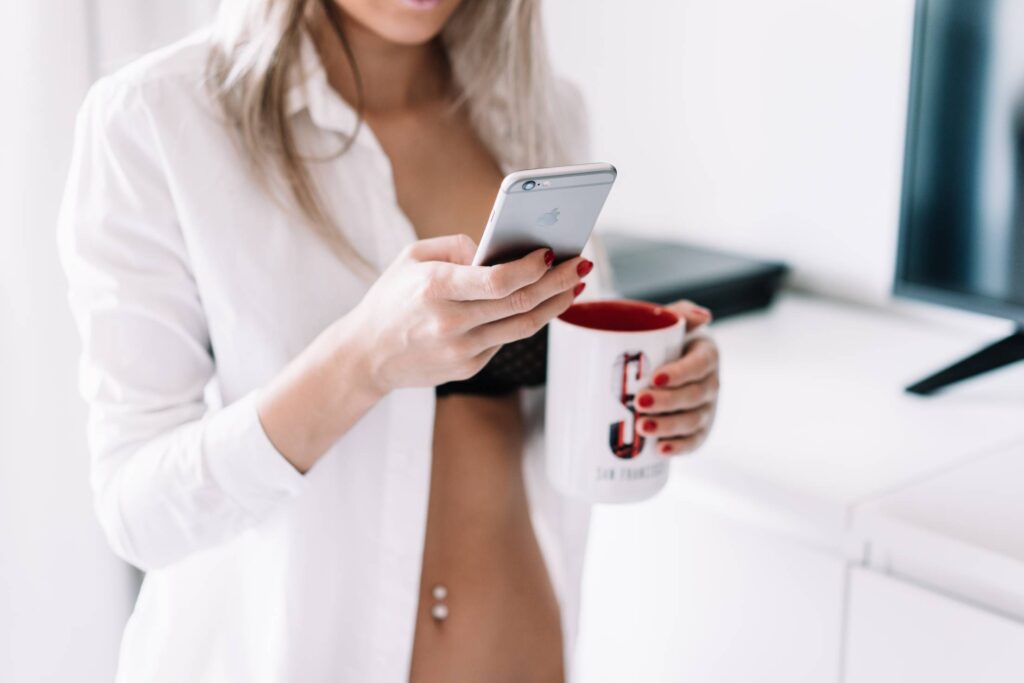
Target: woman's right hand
point(432, 318)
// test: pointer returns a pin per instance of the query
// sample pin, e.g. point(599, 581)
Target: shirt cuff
point(243, 462)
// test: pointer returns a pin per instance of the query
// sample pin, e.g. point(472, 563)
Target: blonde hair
point(499, 65)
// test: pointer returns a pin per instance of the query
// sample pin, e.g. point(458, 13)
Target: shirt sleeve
point(170, 474)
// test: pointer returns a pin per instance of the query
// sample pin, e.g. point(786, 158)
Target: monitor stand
point(992, 357)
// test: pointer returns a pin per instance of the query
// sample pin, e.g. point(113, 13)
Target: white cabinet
point(901, 633)
point(675, 592)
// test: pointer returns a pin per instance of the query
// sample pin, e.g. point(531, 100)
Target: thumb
point(459, 249)
point(694, 315)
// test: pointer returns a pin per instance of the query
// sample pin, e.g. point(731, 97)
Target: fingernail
point(645, 401)
point(578, 288)
point(665, 448)
point(584, 267)
point(549, 257)
point(650, 425)
point(661, 379)
point(704, 311)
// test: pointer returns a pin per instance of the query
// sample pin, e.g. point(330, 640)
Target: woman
point(267, 230)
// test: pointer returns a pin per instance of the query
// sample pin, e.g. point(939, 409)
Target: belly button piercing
point(439, 611)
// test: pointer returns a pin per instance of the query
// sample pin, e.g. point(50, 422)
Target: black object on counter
point(663, 272)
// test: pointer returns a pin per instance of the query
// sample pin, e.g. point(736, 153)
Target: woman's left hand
point(679, 406)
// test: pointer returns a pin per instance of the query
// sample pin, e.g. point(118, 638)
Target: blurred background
point(64, 597)
point(773, 130)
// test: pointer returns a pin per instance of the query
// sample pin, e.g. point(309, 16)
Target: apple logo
point(549, 218)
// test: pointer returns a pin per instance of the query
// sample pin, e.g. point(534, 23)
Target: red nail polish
point(650, 425)
point(584, 267)
point(578, 288)
point(661, 379)
point(549, 257)
point(645, 401)
point(665, 448)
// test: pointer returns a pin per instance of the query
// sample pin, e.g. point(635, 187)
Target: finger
point(522, 325)
point(683, 444)
point(699, 359)
point(694, 315)
point(459, 249)
point(683, 423)
point(472, 283)
point(672, 399)
point(562, 278)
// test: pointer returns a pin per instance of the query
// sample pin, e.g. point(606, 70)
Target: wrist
point(317, 397)
point(352, 361)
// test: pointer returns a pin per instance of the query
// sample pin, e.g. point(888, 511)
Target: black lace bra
point(516, 364)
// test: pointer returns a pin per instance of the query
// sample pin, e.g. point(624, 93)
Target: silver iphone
point(546, 207)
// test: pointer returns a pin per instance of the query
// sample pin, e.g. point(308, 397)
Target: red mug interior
point(620, 315)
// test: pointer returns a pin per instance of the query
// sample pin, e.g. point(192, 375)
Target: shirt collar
point(310, 90)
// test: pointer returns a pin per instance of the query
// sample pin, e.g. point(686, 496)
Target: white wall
point(773, 128)
point(64, 597)
point(129, 28)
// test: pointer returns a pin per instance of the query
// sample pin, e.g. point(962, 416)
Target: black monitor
point(962, 223)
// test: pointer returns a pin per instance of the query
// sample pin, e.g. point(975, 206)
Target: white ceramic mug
point(601, 354)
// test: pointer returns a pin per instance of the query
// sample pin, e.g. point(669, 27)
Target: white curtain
point(64, 597)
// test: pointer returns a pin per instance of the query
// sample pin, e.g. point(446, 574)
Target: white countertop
point(813, 417)
point(960, 530)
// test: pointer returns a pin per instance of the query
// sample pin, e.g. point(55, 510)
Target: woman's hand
point(428, 319)
point(679, 407)
point(433, 318)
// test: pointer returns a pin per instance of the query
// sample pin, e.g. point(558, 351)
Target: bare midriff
point(503, 620)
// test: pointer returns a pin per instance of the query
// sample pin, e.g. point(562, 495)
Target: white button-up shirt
point(191, 289)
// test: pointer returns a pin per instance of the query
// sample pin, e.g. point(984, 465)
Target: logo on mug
point(617, 431)
point(549, 218)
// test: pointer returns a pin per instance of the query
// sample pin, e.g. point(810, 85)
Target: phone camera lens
point(529, 185)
